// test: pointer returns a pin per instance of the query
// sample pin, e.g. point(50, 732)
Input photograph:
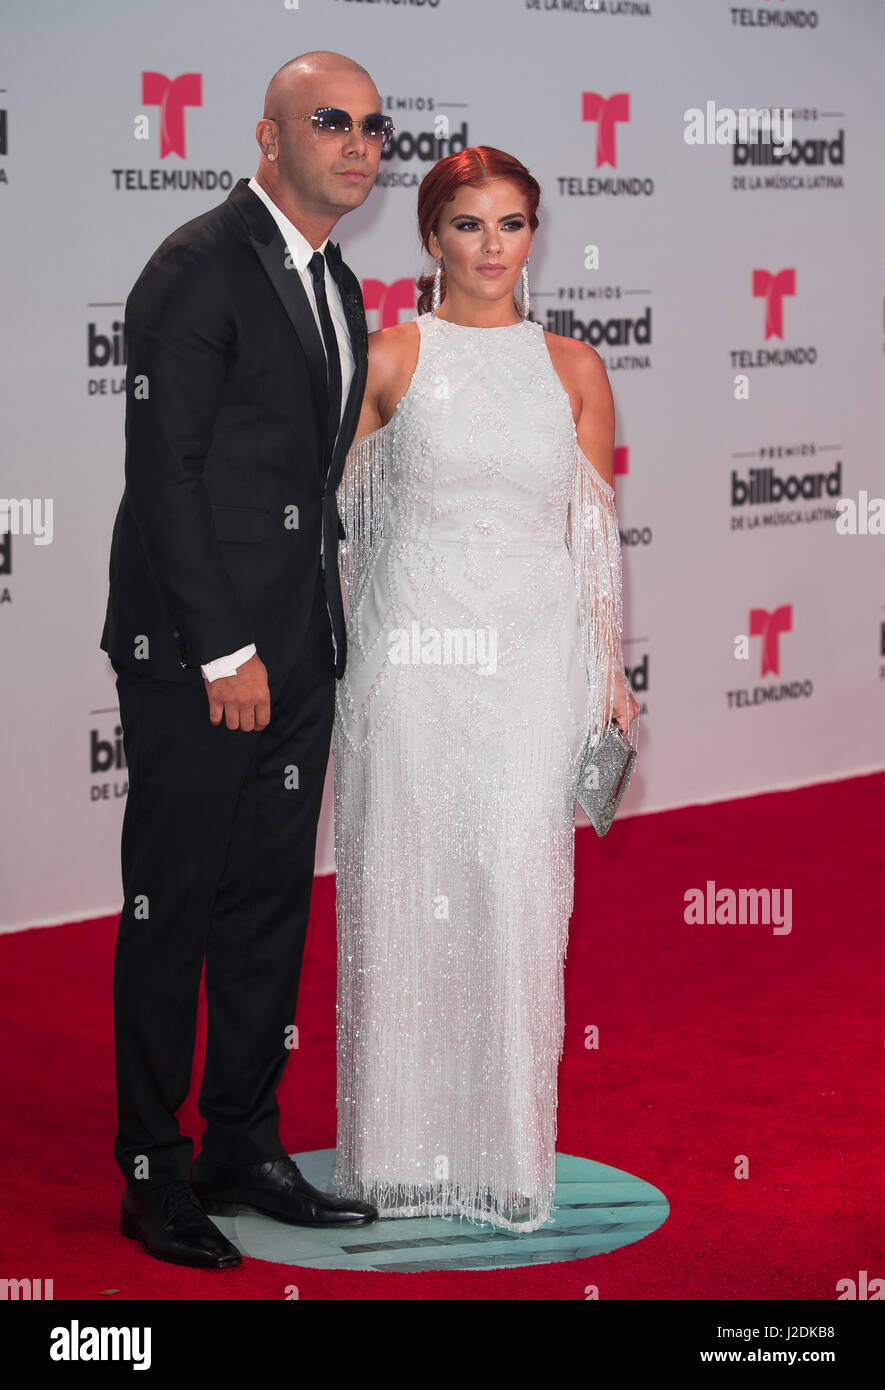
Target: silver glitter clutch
point(605, 773)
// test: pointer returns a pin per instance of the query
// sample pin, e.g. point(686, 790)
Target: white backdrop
point(713, 381)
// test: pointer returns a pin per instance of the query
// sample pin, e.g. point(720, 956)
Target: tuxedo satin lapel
point(249, 208)
point(348, 287)
point(288, 286)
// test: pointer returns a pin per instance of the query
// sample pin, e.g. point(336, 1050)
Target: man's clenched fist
point(243, 700)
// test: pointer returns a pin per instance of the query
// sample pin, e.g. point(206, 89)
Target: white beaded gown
point(481, 573)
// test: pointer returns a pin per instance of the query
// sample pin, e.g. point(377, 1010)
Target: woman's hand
point(625, 708)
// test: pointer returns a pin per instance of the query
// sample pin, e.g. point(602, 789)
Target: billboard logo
point(602, 333)
point(105, 349)
point(107, 759)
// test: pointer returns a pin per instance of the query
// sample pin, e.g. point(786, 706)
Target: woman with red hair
point(482, 576)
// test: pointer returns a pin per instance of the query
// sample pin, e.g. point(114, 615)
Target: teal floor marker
point(598, 1208)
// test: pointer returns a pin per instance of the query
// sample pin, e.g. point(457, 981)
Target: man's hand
point(243, 700)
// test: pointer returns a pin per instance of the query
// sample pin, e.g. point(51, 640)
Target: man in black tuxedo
point(247, 358)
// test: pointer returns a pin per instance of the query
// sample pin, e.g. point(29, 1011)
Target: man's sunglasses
point(333, 122)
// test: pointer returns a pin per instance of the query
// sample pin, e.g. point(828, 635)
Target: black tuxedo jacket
point(230, 480)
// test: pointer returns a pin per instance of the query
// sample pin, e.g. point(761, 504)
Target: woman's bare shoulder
point(393, 354)
point(576, 359)
point(389, 347)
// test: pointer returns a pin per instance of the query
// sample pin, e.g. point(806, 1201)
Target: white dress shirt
point(300, 251)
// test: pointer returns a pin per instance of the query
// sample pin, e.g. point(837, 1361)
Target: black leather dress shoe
point(171, 1225)
point(275, 1189)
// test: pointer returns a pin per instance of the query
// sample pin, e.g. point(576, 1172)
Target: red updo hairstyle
point(472, 168)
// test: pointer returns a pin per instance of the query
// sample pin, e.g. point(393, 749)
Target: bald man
point(246, 363)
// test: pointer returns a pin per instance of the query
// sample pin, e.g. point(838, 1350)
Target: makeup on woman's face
point(484, 237)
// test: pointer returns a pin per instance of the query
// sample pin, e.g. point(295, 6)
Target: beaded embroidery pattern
point(472, 511)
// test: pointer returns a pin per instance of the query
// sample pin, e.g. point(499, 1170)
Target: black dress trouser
point(218, 845)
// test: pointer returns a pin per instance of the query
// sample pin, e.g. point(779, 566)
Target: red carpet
point(715, 1042)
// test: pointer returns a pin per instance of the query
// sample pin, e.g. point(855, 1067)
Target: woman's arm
point(595, 418)
point(392, 356)
point(583, 377)
point(393, 353)
point(595, 429)
point(370, 416)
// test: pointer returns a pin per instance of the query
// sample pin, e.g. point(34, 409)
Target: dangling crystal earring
point(525, 289)
point(436, 297)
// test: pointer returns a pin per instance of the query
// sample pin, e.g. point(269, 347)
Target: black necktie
point(317, 266)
